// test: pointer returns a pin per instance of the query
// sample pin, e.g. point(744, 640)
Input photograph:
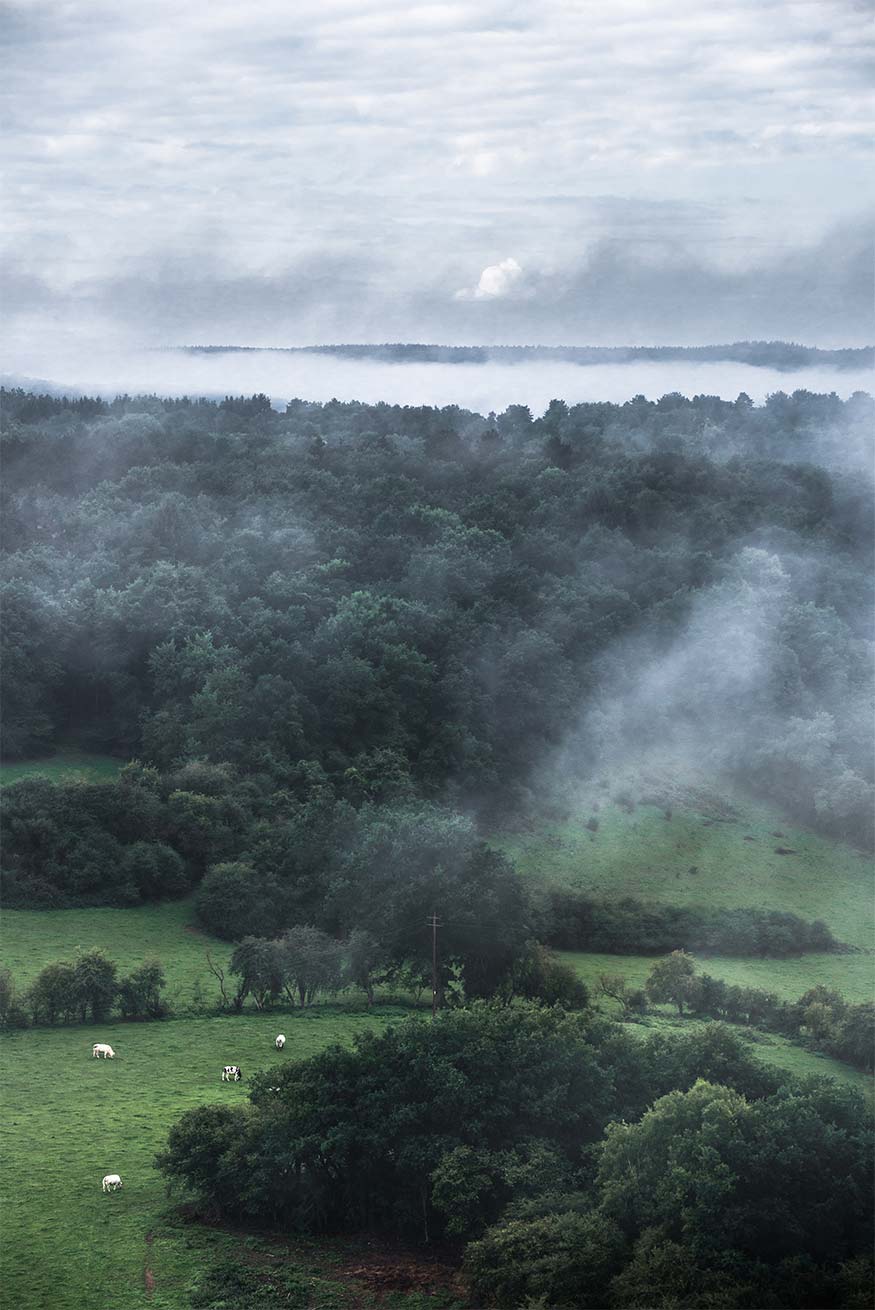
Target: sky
point(490, 171)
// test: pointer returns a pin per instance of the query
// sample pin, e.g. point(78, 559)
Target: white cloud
point(495, 281)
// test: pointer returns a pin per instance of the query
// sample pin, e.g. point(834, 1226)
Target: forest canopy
point(288, 616)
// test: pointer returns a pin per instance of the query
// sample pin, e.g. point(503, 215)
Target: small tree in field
point(669, 979)
point(365, 962)
point(51, 995)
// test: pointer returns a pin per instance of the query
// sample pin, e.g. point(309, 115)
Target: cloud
point(425, 139)
point(496, 281)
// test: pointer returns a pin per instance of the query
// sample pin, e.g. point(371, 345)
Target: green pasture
point(706, 856)
point(166, 932)
point(65, 765)
point(69, 1119)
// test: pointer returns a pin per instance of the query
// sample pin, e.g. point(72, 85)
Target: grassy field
point(63, 766)
point(711, 853)
point(646, 855)
point(71, 1119)
point(34, 938)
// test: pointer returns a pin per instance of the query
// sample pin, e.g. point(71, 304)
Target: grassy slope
point(645, 855)
point(64, 765)
point(71, 1119)
point(34, 938)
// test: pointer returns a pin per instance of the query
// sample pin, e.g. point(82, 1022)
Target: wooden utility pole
point(434, 923)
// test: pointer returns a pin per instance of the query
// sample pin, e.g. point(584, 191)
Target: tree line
point(820, 1018)
point(85, 990)
point(633, 927)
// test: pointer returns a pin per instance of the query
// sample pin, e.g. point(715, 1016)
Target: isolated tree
point(669, 979)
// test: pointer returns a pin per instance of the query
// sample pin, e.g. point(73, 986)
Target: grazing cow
point(112, 1183)
point(280, 1041)
point(231, 1073)
point(101, 1049)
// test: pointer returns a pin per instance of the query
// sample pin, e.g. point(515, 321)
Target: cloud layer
point(351, 170)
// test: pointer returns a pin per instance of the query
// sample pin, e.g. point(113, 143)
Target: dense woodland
point(391, 602)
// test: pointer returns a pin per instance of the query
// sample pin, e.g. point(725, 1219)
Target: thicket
point(418, 603)
point(633, 927)
point(579, 1165)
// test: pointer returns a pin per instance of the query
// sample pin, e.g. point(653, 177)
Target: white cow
point(112, 1183)
point(280, 1041)
point(101, 1049)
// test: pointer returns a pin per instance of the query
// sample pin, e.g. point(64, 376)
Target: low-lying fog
point(480, 387)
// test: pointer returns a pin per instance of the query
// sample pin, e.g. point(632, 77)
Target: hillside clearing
point(67, 765)
point(707, 852)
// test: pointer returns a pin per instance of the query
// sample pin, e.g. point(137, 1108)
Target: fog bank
point(480, 387)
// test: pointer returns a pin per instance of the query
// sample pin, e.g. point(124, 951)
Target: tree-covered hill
point(389, 602)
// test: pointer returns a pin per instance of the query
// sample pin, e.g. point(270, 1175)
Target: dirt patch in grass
point(385, 1267)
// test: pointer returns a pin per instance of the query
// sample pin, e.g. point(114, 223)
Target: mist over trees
point(288, 617)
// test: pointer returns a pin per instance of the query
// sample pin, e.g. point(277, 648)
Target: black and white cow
point(280, 1041)
point(231, 1073)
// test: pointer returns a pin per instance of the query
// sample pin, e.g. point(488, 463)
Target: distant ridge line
point(786, 356)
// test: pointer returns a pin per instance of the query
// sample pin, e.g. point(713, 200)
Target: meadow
point(70, 1119)
point(166, 932)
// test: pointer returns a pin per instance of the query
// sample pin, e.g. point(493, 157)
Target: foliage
point(431, 1128)
point(670, 977)
point(139, 993)
point(710, 1200)
point(631, 927)
point(821, 1018)
point(537, 975)
point(407, 603)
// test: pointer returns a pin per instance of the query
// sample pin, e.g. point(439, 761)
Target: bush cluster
point(86, 989)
